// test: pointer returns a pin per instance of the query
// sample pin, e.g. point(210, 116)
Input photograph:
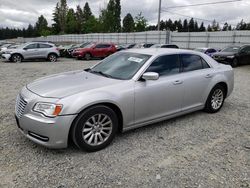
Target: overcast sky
point(19, 13)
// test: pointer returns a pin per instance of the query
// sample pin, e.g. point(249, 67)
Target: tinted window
point(211, 50)
point(44, 46)
point(165, 65)
point(190, 62)
point(169, 46)
point(204, 64)
point(246, 49)
point(31, 46)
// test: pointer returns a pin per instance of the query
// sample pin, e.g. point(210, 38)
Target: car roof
point(161, 51)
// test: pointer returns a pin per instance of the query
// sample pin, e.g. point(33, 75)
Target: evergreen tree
point(59, 17)
point(87, 14)
point(79, 19)
point(196, 27)
point(225, 27)
point(191, 25)
point(128, 23)
point(140, 23)
point(185, 25)
point(209, 28)
point(202, 28)
point(71, 22)
point(241, 26)
point(41, 25)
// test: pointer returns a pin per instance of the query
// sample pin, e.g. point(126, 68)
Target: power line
point(202, 19)
point(202, 4)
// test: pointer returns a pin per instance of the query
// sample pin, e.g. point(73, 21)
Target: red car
point(94, 50)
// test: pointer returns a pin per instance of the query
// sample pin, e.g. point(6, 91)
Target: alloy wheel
point(217, 99)
point(97, 129)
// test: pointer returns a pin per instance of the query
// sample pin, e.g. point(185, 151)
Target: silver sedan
point(129, 89)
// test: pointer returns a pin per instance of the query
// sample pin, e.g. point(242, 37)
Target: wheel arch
point(52, 53)
point(224, 85)
point(113, 106)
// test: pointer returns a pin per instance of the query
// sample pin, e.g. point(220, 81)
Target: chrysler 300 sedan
point(127, 90)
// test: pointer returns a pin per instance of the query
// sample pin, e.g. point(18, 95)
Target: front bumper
point(6, 56)
point(49, 132)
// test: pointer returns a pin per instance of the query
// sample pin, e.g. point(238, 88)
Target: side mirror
point(150, 76)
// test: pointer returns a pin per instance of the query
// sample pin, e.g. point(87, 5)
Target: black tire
point(16, 58)
point(81, 137)
point(209, 106)
point(52, 57)
point(235, 63)
point(87, 56)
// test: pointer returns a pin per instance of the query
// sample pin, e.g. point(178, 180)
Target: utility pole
point(159, 15)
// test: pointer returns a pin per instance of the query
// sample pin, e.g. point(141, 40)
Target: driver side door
point(159, 98)
point(30, 51)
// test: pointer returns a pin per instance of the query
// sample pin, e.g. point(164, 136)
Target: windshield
point(89, 45)
point(200, 50)
point(231, 49)
point(121, 65)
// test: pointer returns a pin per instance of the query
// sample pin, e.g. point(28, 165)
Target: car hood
point(69, 83)
point(224, 53)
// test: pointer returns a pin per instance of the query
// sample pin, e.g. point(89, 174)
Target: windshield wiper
point(100, 73)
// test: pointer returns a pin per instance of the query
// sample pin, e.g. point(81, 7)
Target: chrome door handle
point(208, 76)
point(176, 82)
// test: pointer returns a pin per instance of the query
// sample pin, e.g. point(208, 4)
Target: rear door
point(43, 50)
point(196, 75)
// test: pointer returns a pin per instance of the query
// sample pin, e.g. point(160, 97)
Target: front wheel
point(215, 99)
point(95, 128)
point(16, 58)
point(87, 56)
point(52, 57)
point(235, 62)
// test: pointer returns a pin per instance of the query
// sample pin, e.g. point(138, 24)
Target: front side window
point(165, 65)
point(31, 46)
point(123, 65)
point(190, 62)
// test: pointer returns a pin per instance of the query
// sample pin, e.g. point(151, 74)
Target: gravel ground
point(196, 150)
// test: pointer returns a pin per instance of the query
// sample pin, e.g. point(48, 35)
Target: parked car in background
point(129, 46)
point(234, 55)
point(164, 46)
point(70, 50)
point(208, 51)
point(5, 49)
point(32, 50)
point(94, 50)
point(120, 47)
point(127, 90)
point(64, 50)
point(143, 45)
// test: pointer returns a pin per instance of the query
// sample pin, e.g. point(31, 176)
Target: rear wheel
point(16, 58)
point(215, 99)
point(87, 56)
point(95, 128)
point(235, 62)
point(52, 57)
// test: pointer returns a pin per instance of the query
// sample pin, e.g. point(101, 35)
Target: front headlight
point(48, 109)
point(230, 56)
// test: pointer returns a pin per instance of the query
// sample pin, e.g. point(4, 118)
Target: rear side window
point(165, 65)
point(45, 46)
point(192, 62)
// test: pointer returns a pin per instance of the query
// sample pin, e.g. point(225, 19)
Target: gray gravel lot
point(196, 150)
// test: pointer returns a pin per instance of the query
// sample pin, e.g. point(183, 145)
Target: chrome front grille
point(20, 106)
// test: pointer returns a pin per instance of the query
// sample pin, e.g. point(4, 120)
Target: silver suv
point(33, 50)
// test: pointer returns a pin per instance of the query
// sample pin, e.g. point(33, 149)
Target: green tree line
point(81, 20)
